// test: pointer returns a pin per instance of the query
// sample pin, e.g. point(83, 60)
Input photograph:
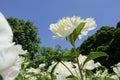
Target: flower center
point(63, 24)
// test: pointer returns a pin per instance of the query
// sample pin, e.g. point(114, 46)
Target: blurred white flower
point(116, 69)
point(66, 26)
point(115, 77)
point(101, 74)
point(22, 52)
point(41, 65)
point(33, 70)
point(104, 74)
point(27, 75)
point(32, 78)
point(82, 58)
point(61, 72)
point(10, 61)
point(26, 64)
point(90, 65)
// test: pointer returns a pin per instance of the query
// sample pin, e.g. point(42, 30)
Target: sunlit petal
point(6, 35)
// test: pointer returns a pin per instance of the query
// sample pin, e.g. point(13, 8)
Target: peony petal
point(8, 56)
point(55, 37)
point(6, 34)
point(11, 73)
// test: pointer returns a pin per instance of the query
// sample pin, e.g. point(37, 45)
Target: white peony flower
point(6, 34)
point(10, 61)
point(61, 72)
point(101, 74)
point(116, 69)
point(66, 26)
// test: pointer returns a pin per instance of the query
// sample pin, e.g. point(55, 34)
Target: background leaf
point(94, 55)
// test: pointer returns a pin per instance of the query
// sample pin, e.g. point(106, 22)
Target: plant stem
point(67, 68)
point(79, 67)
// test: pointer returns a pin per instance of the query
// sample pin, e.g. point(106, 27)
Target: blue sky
point(44, 12)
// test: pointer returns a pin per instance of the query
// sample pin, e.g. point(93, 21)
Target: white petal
point(8, 56)
point(116, 70)
point(55, 37)
point(6, 34)
point(11, 73)
point(115, 77)
point(89, 25)
point(61, 71)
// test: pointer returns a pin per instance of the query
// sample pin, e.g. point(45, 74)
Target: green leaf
point(71, 38)
point(89, 73)
point(74, 35)
point(79, 28)
point(96, 78)
point(67, 54)
point(51, 73)
point(71, 77)
point(94, 55)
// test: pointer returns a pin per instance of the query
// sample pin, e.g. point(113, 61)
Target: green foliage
point(69, 56)
point(26, 34)
point(71, 77)
point(107, 39)
point(47, 55)
point(118, 24)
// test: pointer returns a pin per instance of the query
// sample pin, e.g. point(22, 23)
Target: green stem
point(1, 77)
point(67, 68)
point(79, 67)
point(51, 73)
